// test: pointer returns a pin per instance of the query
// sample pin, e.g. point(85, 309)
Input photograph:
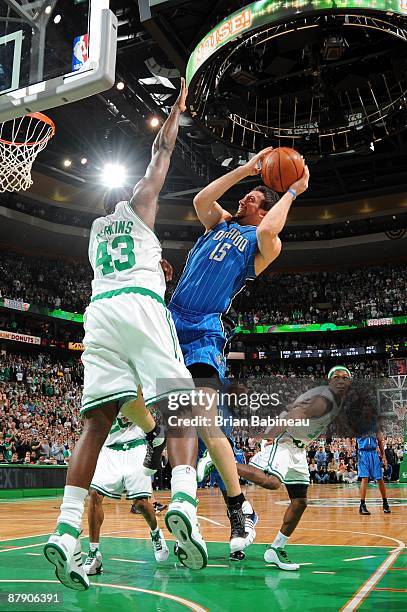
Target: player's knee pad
point(298, 493)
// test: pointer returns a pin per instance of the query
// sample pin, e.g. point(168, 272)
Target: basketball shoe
point(152, 461)
point(242, 521)
point(93, 563)
point(363, 509)
point(181, 521)
point(204, 466)
point(279, 557)
point(63, 550)
point(161, 551)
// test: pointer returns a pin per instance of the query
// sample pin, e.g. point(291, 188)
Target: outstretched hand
point(167, 269)
point(253, 166)
point(181, 101)
point(302, 184)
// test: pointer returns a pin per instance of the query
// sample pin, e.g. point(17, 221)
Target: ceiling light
point(114, 175)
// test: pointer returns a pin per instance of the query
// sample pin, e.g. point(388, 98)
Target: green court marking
point(250, 584)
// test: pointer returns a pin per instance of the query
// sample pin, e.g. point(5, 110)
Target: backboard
point(53, 52)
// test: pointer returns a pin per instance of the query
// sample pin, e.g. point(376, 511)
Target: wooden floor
point(331, 518)
point(330, 538)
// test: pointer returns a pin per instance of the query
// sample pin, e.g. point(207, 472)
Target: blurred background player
point(130, 342)
point(285, 459)
point(370, 467)
point(232, 251)
point(120, 470)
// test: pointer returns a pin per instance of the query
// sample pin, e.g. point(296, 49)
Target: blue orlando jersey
point(217, 269)
point(367, 443)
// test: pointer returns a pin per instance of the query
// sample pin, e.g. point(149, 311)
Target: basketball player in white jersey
point(119, 471)
point(285, 459)
point(131, 346)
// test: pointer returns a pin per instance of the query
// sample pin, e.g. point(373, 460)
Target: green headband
point(335, 369)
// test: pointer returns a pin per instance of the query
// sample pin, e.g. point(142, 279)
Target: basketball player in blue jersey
point(369, 466)
point(233, 250)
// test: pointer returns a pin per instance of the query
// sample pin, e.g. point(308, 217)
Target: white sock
point(72, 506)
point(183, 480)
point(93, 546)
point(280, 540)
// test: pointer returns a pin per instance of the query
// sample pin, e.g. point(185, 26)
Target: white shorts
point(130, 341)
point(285, 461)
point(121, 471)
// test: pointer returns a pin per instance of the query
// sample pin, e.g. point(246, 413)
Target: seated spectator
point(332, 470)
point(350, 476)
point(322, 477)
point(312, 470)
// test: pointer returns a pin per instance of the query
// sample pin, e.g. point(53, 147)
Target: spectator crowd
point(344, 297)
point(39, 409)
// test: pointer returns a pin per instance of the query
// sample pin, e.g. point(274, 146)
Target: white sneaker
point(181, 521)
point(161, 551)
point(63, 550)
point(242, 532)
point(204, 466)
point(93, 563)
point(279, 557)
point(251, 520)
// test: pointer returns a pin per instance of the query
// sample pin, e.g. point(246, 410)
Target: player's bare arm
point(380, 442)
point(146, 192)
point(316, 407)
point(209, 211)
point(271, 225)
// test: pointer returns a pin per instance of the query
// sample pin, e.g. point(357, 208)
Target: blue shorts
point(369, 465)
point(202, 338)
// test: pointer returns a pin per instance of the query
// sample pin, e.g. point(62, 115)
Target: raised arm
point(145, 194)
point(271, 225)
point(209, 211)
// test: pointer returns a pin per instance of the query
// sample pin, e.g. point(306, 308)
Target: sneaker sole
point(55, 555)
point(190, 552)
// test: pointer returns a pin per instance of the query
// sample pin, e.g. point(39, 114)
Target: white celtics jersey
point(122, 431)
point(317, 425)
point(124, 252)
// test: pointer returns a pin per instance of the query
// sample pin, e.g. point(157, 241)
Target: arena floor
point(347, 561)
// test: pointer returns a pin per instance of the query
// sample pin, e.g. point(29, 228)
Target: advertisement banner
point(7, 335)
point(76, 346)
point(16, 305)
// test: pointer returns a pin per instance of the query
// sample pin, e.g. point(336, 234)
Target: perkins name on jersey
point(117, 227)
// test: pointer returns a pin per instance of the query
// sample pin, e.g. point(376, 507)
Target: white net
point(20, 142)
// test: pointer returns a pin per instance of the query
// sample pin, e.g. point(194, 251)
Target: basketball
point(281, 168)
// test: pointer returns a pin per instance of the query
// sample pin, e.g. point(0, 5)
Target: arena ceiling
point(152, 53)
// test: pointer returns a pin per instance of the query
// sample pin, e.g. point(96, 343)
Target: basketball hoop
point(20, 142)
point(400, 409)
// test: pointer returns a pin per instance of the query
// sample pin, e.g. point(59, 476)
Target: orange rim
point(39, 117)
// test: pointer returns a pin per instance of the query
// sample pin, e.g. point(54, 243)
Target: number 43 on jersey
point(119, 257)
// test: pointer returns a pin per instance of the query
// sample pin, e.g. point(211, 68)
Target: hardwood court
point(347, 561)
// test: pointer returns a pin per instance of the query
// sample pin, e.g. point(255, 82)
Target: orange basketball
point(281, 168)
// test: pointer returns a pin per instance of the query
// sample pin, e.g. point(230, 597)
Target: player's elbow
point(269, 245)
